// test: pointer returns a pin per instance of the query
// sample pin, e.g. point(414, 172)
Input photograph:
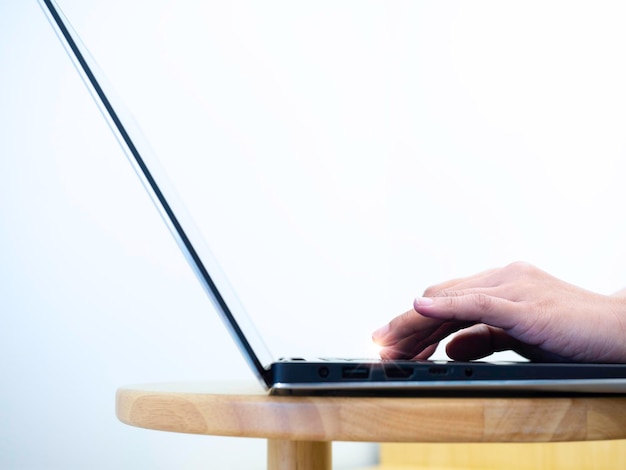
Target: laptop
point(300, 376)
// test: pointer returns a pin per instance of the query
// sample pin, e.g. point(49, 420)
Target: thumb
point(479, 341)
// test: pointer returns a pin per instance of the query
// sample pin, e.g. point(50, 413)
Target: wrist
point(618, 335)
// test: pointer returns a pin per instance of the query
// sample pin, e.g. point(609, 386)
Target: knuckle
point(432, 291)
point(452, 302)
point(521, 267)
point(483, 302)
point(443, 293)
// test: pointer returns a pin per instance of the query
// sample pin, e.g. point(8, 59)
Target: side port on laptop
point(397, 372)
point(439, 370)
point(356, 372)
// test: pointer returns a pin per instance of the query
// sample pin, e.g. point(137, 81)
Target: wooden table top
point(244, 409)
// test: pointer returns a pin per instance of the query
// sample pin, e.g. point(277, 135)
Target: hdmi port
point(355, 372)
point(397, 372)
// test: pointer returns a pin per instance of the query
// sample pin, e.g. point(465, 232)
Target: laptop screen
point(163, 194)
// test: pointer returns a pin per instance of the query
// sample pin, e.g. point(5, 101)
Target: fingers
point(427, 352)
point(480, 341)
point(487, 278)
point(497, 298)
point(411, 334)
point(420, 346)
point(472, 307)
point(512, 276)
point(409, 324)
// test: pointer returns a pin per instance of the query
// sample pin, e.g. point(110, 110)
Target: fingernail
point(379, 333)
point(422, 302)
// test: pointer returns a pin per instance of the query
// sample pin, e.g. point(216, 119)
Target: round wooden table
point(300, 430)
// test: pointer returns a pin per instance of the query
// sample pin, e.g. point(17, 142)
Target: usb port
point(355, 372)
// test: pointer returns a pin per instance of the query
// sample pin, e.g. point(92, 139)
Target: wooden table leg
point(298, 455)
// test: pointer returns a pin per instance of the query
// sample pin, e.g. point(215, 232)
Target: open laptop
point(319, 376)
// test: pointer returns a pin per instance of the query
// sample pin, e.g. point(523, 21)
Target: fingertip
point(380, 333)
point(426, 307)
point(426, 353)
point(421, 302)
point(386, 354)
point(470, 344)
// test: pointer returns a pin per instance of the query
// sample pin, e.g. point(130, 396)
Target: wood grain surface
point(246, 410)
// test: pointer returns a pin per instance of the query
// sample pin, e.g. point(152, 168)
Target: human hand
point(518, 308)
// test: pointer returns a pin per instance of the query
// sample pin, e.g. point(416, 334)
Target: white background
point(340, 158)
